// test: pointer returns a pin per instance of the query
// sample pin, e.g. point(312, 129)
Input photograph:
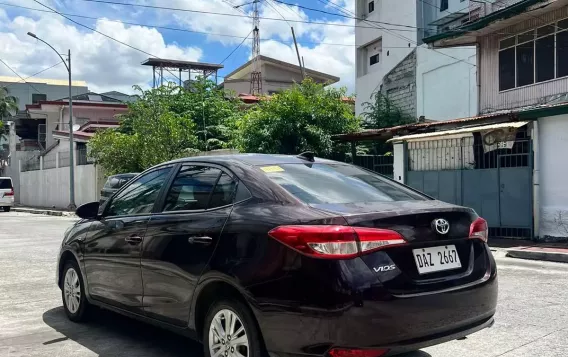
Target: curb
point(548, 256)
point(45, 212)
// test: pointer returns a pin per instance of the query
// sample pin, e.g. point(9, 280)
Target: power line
point(17, 74)
point(35, 74)
point(400, 36)
point(346, 16)
point(100, 33)
point(181, 29)
point(224, 14)
point(292, 11)
point(278, 12)
point(236, 48)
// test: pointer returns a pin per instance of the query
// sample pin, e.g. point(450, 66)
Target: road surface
point(532, 316)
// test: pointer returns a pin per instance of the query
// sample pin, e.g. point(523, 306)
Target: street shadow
point(110, 334)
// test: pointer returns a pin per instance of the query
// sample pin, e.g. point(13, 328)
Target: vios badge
point(441, 226)
point(384, 268)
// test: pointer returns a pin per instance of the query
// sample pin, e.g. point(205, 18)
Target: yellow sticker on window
point(272, 169)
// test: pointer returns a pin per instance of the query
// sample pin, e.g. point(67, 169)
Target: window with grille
point(534, 56)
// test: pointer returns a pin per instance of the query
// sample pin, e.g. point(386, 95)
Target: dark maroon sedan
point(291, 255)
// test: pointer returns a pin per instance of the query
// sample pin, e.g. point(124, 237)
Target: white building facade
point(438, 84)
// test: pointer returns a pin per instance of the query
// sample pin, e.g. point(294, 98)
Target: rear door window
point(330, 183)
point(5, 184)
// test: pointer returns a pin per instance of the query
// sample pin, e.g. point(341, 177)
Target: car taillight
point(479, 230)
point(11, 193)
point(335, 241)
point(352, 352)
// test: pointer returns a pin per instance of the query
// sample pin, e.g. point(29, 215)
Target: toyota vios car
point(292, 255)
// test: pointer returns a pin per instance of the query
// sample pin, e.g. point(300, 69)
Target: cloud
point(332, 59)
point(104, 64)
point(107, 65)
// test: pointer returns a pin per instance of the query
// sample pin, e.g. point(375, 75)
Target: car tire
point(249, 339)
point(6, 209)
point(73, 292)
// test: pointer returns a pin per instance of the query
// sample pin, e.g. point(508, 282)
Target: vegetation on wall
point(383, 113)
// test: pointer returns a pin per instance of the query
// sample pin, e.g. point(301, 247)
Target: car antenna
point(308, 155)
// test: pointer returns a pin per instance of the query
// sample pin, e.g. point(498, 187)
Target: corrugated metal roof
point(524, 113)
point(437, 134)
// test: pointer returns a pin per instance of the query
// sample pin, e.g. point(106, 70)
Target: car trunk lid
point(396, 267)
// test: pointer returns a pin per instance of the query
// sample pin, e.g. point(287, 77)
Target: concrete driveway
point(532, 318)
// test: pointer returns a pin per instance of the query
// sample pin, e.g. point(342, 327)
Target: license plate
point(433, 259)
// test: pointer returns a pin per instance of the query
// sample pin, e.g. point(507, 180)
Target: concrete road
point(532, 318)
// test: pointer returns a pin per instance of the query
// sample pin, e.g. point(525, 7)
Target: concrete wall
point(238, 86)
point(446, 87)
point(399, 85)
point(13, 170)
point(553, 145)
point(24, 91)
point(50, 187)
point(396, 44)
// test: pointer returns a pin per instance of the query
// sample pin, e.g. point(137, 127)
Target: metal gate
point(494, 180)
point(381, 164)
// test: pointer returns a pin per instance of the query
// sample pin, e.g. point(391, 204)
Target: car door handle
point(134, 239)
point(200, 240)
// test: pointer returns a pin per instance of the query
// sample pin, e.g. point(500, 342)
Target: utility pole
point(298, 54)
point(255, 74)
point(67, 64)
point(72, 205)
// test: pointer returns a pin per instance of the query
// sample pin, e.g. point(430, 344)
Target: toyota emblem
point(441, 225)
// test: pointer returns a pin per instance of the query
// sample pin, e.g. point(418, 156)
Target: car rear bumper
point(6, 202)
point(377, 319)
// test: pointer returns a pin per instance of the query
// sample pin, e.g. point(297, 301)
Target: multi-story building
point(34, 90)
point(391, 58)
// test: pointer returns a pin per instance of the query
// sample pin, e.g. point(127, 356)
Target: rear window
point(329, 183)
point(5, 183)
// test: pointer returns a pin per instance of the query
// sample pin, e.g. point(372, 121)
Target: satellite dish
point(76, 127)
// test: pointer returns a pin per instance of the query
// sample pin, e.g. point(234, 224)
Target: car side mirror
point(88, 210)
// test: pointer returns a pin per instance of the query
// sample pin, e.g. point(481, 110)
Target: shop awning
point(446, 133)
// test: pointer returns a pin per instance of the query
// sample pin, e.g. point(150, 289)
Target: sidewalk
point(45, 211)
point(526, 249)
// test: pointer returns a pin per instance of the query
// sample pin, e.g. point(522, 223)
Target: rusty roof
point(524, 113)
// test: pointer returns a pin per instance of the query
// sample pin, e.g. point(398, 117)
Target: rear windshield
point(5, 183)
point(331, 183)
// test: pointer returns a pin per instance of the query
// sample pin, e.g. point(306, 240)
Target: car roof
point(6, 178)
point(254, 159)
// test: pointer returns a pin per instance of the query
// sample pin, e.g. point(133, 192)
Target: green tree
point(166, 123)
point(383, 113)
point(8, 103)
point(302, 118)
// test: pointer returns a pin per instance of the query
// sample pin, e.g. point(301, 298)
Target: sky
point(107, 65)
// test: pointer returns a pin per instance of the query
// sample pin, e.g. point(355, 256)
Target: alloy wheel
point(72, 290)
point(227, 335)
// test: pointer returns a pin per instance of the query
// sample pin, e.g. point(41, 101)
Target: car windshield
point(5, 184)
point(337, 183)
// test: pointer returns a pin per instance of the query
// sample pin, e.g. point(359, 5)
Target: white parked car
point(6, 193)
